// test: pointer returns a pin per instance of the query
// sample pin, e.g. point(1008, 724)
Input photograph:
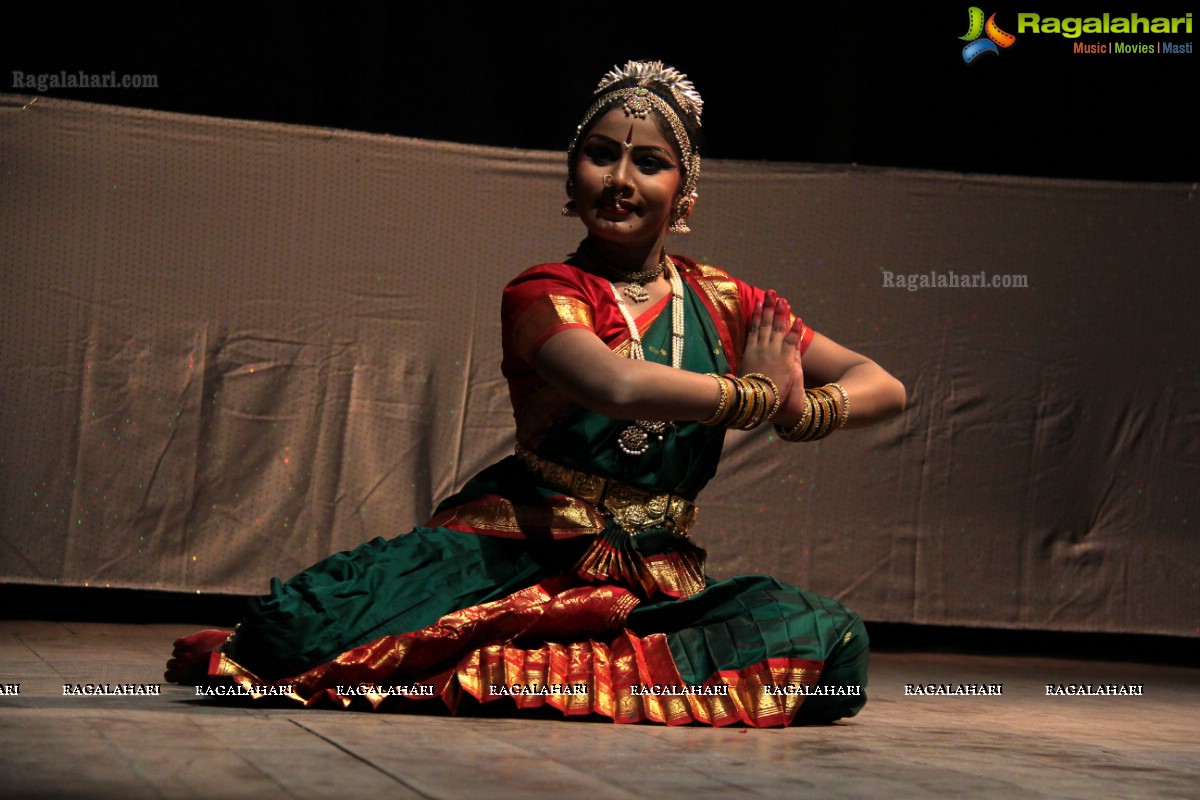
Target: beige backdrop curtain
point(230, 348)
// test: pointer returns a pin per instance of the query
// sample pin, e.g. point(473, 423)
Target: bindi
point(629, 139)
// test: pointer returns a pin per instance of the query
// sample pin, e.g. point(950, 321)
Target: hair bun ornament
point(645, 73)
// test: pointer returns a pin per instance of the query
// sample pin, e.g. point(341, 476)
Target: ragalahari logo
point(976, 27)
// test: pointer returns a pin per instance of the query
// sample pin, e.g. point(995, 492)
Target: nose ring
point(609, 182)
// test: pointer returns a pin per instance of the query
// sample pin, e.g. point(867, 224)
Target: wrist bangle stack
point(745, 402)
point(777, 402)
point(821, 415)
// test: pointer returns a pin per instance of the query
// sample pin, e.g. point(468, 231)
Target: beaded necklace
point(635, 282)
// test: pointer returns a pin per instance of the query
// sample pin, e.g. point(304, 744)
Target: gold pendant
point(636, 292)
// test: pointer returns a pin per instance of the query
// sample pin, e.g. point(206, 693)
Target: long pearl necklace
point(635, 439)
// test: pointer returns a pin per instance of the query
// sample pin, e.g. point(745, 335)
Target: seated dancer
point(566, 575)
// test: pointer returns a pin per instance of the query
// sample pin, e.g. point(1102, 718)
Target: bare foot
point(191, 651)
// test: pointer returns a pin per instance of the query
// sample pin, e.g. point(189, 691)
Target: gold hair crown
point(682, 90)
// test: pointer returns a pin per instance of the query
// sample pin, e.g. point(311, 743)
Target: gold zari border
point(545, 315)
point(564, 516)
point(576, 677)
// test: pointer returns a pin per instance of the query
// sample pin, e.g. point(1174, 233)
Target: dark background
point(881, 85)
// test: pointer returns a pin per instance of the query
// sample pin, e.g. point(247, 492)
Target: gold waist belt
point(632, 509)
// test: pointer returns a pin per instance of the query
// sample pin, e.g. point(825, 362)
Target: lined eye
point(599, 155)
point(651, 164)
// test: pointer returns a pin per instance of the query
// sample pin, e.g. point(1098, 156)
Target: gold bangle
point(826, 422)
point(845, 415)
point(722, 403)
point(744, 420)
point(818, 417)
point(760, 403)
point(829, 416)
point(806, 414)
point(798, 431)
point(756, 404)
point(736, 402)
point(735, 399)
point(793, 433)
point(745, 409)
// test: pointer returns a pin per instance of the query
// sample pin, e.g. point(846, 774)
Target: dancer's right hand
point(772, 346)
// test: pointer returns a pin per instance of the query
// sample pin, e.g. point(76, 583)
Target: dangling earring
point(569, 209)
point(679, 214)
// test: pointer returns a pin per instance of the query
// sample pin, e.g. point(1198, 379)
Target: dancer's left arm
point(874, 394)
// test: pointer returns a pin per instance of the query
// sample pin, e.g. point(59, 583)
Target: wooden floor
point(1020, 744)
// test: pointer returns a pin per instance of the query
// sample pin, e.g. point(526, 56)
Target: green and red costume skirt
point(445, 614)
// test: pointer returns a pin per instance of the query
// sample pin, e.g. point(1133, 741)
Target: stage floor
point(1021, 743)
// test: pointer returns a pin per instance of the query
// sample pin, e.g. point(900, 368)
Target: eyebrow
point(615, 143)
